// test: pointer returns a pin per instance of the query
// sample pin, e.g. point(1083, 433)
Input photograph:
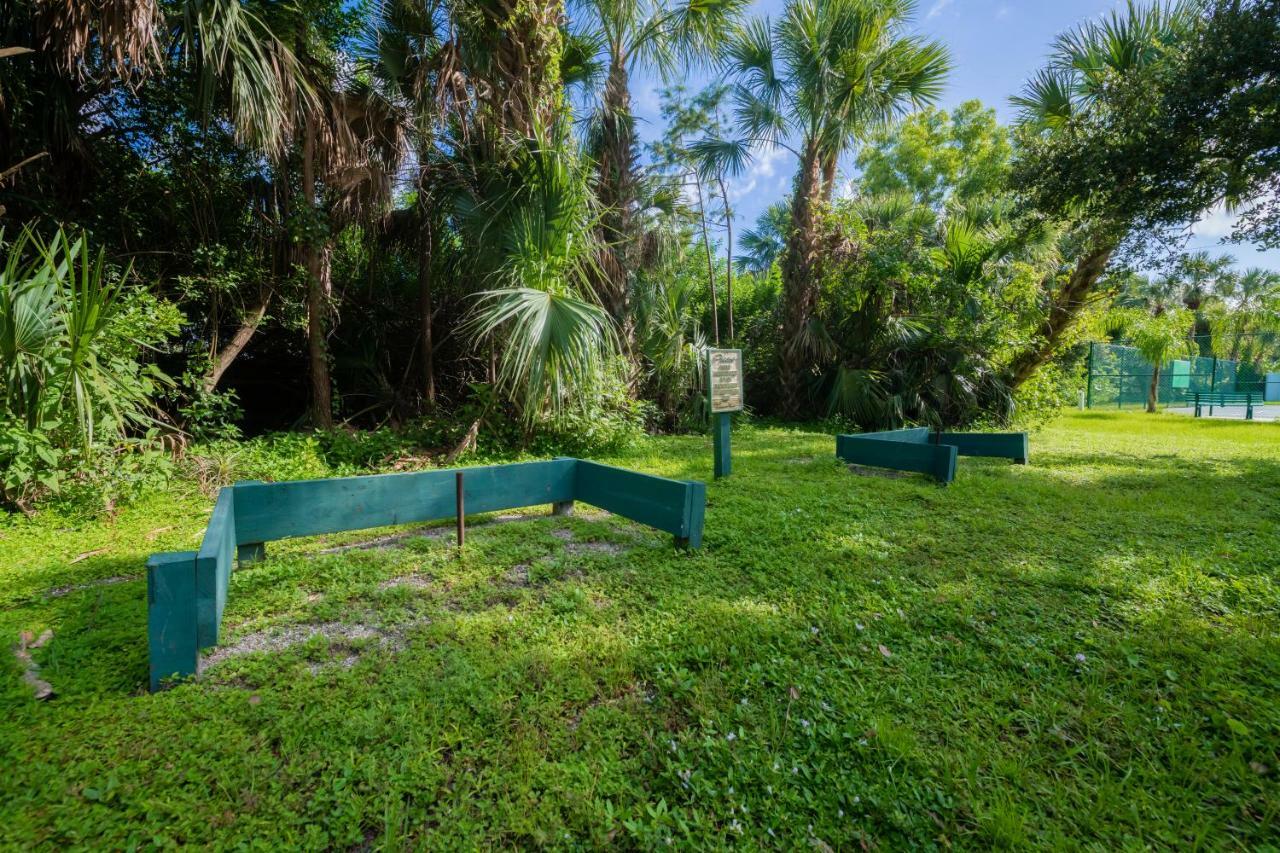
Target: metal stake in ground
point(462, 519)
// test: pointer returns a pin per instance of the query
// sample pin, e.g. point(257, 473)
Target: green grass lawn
point(1079, 652)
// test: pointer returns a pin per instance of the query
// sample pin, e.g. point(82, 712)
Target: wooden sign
point(724, 380)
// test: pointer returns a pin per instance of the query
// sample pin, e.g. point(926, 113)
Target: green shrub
point(73, 380)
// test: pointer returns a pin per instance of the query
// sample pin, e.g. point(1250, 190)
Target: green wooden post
point(720, 439)
point(171, 616)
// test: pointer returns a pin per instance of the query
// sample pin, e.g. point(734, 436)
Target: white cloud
point(937, 9)
point(1217, 223)
point(764, 164)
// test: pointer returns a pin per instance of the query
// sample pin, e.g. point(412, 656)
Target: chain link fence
point(1119, 377)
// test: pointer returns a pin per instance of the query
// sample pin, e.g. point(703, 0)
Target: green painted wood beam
point(998, 445)
point(269, 511)
point(187, 591)
point(171, 616)
point(937, 460)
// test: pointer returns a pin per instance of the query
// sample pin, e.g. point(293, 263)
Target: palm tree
point(1245, 316)
point(1152, 313)
point(1070, 91)
point(634, 34)
point(822, 77)
point(351, 149)
point(763, 244)
point(536, 222)
point(243, 72)
point(85, 48)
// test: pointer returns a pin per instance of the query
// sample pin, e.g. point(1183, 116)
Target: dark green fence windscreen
point(1120, 378)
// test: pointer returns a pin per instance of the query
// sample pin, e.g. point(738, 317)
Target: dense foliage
point(440, 216)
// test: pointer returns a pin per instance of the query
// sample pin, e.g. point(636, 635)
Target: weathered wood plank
point(695, 511)
point(939, 460)
point(911, 435)
point(214, 564)
point(999, 445)
point(655, 501)
point(270, 511)
point(171, 616)
point(187, 591)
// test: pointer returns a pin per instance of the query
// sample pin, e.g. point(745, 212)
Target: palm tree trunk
point(426, 311)
point(617, 193)
point(232, 349)
point(829, 165)
point(1153, 391)
point(1063, 312)
point(728, 256)
point(799, 281)
point(711, 266)
point(316, 257)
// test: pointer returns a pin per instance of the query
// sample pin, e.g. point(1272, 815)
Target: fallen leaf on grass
point(152, 534)
point(884, 650)
point(87, 554)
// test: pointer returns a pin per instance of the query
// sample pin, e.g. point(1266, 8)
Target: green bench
point(928, 452)
point(1223, 399)
point(187, 590)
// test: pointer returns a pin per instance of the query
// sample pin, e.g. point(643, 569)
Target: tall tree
point(939, 156)
point(822, 77)
point(1086, 146)
point(634, 34)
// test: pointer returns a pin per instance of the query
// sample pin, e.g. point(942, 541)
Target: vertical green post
point(720, 439)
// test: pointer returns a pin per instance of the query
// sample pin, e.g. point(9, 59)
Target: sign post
point(724, 393)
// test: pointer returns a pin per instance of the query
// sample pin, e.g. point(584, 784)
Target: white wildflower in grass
point(744, 701)
point(1080, 657)
point(804, 723)
point(862, 741)
point(813, 629)
point(859, 626)
point(731, 736)
point(736, 826)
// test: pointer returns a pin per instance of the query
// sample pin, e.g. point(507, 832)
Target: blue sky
point(995, 45)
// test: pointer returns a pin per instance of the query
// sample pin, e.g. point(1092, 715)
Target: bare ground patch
point(345, 636)
point(67, 589)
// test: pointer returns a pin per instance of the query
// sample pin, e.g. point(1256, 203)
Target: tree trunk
point(617, 194)
point(711, 266)
point(829, 166)
point(1153, 391)
point(799, 282)
point(1063, 312)
point(728, 256)
point(316, 258)
point(232, 349)
point(426, 310)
